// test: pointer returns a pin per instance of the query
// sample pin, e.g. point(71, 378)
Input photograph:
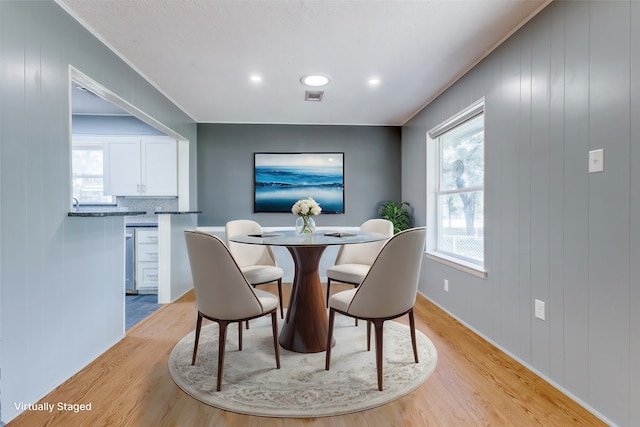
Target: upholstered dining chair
point(388, 291)
point(257, 262)
point(353, 261)
point(223, 294)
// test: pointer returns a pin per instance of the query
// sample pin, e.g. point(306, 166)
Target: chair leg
point(276, 347)
point(412, 328)
point(328, 290)
point(223, 338)
point(356, 317)
point(240, 336)
point(368, 336)
point(195, 345)
point(378, 323)
point(247, 322)
point(332, 315)
point(280, 296)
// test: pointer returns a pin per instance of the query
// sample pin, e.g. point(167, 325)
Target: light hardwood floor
point(474, 384)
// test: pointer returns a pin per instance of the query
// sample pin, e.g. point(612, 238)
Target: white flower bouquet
point(306, 207)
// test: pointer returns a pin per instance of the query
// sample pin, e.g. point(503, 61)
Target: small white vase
point(305, 225)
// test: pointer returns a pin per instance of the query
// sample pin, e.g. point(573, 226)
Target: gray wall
point(225, 168)
point(62, 279)
point(566, 83)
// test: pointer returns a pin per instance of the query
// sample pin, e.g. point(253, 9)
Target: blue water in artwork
point(278, 188)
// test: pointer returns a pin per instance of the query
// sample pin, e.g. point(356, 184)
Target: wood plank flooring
point(474, 384)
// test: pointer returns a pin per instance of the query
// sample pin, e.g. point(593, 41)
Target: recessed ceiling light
point(315, 80)
point(255, 78)
point(374, 81)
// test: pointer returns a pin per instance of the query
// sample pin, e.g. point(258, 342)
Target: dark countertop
point(177, 212)
point(96, 214)
point(142, 224)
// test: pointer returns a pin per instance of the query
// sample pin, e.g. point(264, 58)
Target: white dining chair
point(353, 261)
point(257, 262)
point(223, 294)
point(388, 291)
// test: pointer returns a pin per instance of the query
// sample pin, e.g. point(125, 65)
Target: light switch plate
point(539, 309)
point(596, 160)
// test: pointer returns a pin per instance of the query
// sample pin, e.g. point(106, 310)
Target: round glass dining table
point(306, 324)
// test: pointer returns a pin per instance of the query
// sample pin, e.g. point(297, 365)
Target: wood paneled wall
point(564, 84)
point(62, 279)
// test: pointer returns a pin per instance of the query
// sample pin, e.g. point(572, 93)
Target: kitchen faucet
point(76, 204)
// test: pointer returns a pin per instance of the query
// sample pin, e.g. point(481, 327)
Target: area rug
point(302, 388)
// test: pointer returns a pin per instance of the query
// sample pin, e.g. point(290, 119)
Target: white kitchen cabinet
point(159, 165)
point(146, 166)
point(146, 260)
point(121, 167)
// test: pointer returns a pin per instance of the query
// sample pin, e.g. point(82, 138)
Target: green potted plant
point(399, 213)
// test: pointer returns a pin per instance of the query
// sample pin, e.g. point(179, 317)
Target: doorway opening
point(97, 117)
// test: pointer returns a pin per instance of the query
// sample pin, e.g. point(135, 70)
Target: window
point(456, 187)
point(87, 174)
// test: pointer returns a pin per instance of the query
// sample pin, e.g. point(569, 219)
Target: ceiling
point(202, 53)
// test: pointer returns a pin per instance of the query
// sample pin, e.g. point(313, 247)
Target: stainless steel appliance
point(129, 276)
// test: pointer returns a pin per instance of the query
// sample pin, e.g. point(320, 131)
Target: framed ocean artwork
point(281, 179)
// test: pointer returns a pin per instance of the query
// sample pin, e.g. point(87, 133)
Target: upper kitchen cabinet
point(140, 166)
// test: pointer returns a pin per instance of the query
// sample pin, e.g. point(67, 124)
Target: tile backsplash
point(150, 205)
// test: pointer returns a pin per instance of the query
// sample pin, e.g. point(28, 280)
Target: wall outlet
point(539, 309)
point(446, 285)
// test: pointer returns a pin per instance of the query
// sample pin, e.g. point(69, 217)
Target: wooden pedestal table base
point(306, 324)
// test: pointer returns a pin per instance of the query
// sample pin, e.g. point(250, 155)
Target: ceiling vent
point(313, 95)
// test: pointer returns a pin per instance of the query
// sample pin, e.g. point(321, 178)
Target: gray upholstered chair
point(223, 294)
point(388, 291)
point(257, 262)
point(353, 261)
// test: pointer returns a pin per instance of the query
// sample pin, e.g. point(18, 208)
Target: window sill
point(458, 264)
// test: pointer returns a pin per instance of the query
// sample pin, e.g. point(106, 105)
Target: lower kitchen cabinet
point(146, 260)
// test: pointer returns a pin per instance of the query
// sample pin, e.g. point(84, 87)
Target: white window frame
point(433, 175)
point(91, 144)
